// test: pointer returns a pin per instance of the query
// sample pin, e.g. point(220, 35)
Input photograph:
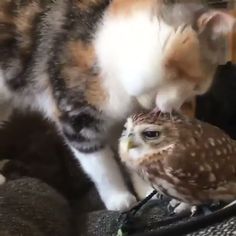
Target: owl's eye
point(151, 134)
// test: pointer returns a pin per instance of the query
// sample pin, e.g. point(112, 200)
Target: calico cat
point(88, 64)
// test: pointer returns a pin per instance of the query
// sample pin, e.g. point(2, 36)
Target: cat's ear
point(220, 23)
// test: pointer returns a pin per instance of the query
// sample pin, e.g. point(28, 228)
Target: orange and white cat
point(88, 64)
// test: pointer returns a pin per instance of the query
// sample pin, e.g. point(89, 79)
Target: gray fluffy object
point(29, 207)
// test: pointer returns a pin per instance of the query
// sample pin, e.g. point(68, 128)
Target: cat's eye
point(151, 134)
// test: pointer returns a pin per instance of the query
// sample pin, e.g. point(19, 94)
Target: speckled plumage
point(194, 162)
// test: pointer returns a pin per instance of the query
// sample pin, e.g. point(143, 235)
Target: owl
point(190, 161)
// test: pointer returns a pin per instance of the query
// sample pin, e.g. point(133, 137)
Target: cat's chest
point(119, 104)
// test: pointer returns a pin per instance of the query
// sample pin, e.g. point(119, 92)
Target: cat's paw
point(120, 201)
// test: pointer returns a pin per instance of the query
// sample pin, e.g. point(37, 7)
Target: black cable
point(194, 223)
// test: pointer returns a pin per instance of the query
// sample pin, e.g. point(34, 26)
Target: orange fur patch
point(95, 93)
point(85, 5)
point(90, 85)
point(6, 20)
point(189, 108)
point(81, 55)
point(77, 74)
point(127, 7)
point(24, 22)
point(183, 59)
point(5, 17)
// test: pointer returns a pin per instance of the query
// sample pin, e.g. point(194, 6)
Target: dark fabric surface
point(29, 207)
point(225, 228)
point(104, 224)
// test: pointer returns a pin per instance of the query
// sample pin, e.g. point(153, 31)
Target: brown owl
point(188, 160)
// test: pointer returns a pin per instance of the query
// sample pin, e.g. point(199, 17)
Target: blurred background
point(218, 106)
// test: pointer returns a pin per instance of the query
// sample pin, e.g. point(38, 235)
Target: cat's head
point(163, 52)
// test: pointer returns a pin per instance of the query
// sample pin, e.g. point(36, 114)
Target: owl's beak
point(131, 144)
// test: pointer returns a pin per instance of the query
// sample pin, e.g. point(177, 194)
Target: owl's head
point(153, 134)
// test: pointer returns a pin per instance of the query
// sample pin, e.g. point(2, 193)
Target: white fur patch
point(46, 103)
point(129, 52)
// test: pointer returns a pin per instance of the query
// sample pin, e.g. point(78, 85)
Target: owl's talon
point(170, 209)
point(173, 204)
point(159, 196)
point(194, 210)
point(182, 207)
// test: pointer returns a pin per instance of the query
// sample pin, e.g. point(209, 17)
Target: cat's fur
point(87, 64)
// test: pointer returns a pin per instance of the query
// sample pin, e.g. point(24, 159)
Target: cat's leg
point(141, 188)
point(102, 168)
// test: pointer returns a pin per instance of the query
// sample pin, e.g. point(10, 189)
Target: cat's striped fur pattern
point(88, 64)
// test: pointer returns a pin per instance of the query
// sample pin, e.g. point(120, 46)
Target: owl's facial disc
point(138, 140)
point(143, 137)
point(147, 135)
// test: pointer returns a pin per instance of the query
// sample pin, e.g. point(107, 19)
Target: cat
point(88, 64)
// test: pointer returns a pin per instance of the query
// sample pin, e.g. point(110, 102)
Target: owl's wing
point(203, 168)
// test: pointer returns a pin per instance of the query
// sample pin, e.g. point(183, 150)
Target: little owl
point(188, 160)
